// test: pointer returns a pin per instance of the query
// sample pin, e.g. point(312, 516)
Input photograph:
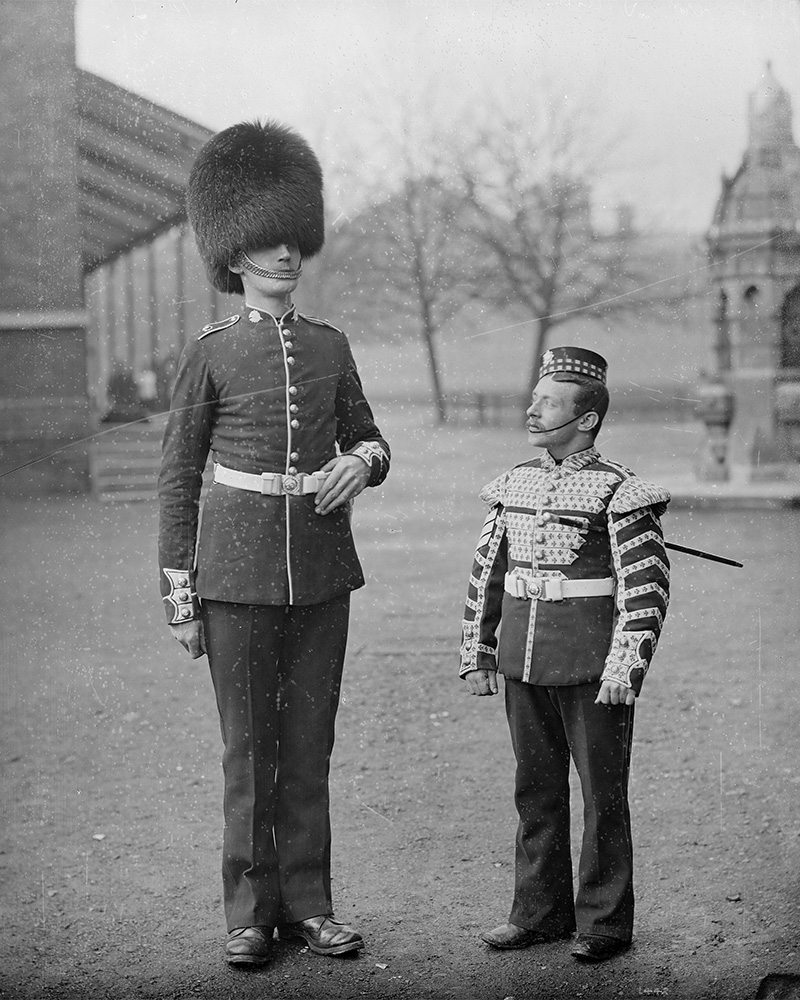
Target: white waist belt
point(546, 588)
point(271, 483)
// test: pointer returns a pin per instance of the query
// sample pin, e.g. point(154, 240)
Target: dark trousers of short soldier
point(548, 726)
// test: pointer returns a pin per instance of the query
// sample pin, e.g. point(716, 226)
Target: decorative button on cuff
point(181, 604)
point(295, 424)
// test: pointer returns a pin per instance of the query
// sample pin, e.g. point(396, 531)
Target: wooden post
point(180, 287)
point(152, 306)
point(130, 306)
point(480, 408)
point(117, 353)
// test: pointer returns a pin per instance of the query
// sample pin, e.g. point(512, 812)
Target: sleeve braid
point(641, 569)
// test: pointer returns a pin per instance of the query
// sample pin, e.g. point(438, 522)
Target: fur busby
point(254, 185)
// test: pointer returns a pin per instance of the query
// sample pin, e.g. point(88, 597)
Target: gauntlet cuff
point(629, 658)
point(374, 454)
point(475, 655)
point(181, 600)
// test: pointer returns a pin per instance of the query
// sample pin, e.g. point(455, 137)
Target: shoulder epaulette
point(618, 467)
point(635, 493)
point(222, 324)
point(319, 322)
point(494, 492)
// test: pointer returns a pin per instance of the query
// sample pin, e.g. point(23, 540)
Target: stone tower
point(752, 400)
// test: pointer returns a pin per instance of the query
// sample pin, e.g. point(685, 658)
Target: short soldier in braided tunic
point(571, 560)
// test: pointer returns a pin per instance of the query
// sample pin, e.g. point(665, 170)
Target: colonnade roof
point(133, 162)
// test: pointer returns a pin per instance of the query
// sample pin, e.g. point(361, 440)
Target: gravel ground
point(111, 782)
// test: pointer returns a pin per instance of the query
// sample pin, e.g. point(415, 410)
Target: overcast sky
point(671, 75)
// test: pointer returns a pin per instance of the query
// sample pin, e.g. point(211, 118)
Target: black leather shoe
point(596, 948)
point(508, 936)
point(324, 935)
point(249, 946)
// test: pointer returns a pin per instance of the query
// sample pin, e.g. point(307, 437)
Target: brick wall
point(40, 253)
point(43, 402)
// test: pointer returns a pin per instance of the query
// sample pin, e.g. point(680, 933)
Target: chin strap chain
point(264, 272)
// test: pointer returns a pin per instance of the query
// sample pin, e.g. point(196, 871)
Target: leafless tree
point(405, 247)
point(528, 182)
point(495, 206)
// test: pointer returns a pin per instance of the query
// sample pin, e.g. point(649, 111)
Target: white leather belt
point(271, 483)
point(546, 588)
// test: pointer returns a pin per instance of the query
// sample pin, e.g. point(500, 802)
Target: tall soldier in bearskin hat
point(571, 560)
point(275, 396)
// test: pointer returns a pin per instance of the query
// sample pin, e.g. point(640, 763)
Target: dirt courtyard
point(111, 777)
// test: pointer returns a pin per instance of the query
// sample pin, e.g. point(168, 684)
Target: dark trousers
point(277, 674)
point(548, 724)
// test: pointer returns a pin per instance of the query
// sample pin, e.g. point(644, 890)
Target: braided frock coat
point(611, 529)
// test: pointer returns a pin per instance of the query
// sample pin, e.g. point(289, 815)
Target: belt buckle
point(545, 589)
point(534, 589)
point(292, 485)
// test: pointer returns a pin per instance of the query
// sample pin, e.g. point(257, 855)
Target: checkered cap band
point(574, 360)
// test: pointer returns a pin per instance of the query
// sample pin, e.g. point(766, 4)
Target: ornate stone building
point(752, 400)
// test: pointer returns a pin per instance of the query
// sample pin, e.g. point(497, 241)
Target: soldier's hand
point(190, 636)
point(481, 682)
point(613, 693)
point(348, 475)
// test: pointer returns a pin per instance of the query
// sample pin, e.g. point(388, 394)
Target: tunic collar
point(256, 315)
point(572, 463)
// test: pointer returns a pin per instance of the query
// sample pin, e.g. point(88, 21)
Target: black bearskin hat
point(254, 185)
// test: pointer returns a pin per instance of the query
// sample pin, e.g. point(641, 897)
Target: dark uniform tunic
point(267, 395)
point(264, 396)
point(585, 519)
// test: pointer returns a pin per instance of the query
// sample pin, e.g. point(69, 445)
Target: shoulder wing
point(494, 492)
point(634, 493)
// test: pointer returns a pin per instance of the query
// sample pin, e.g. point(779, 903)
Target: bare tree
point(527, 186)
point(415, 265)
point(326, 291)
point(406, 246)
point(494, 206)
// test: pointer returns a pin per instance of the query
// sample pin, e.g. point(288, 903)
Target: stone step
point(128, 484)
point(125, 461)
